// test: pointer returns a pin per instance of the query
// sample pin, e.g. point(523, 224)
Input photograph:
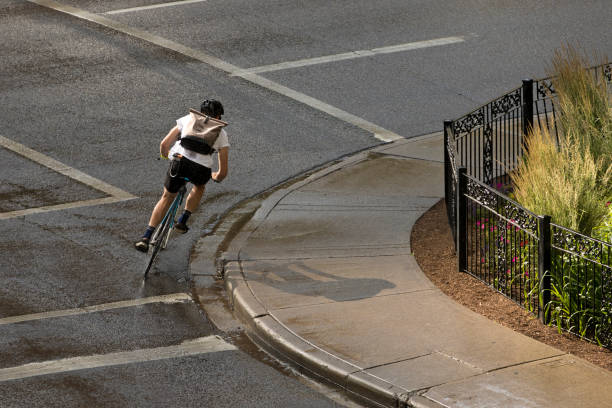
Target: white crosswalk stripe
point(202, 345)
point(154, 6)
point(351, 55)
point(172, 298)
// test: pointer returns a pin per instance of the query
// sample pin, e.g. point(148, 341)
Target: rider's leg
point(161, 207)
point(194, 197)
point(156, 216)
point(191, 204)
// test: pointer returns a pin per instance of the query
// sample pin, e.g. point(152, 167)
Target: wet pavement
point(97, 100)
point(322, 276)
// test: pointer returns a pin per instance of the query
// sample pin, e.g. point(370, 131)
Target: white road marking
point(116, 194)
point(378, 131)
point(154, 6)
point(202, 345)
point(351, 55)
point(169, 299)
point(59, 207)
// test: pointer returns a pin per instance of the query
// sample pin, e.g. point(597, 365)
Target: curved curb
point(277, 339)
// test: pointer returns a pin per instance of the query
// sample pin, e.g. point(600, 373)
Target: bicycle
point(160, 238)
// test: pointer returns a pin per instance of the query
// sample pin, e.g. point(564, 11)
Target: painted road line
point(63, 169)
point(59, 207)
point(202, 345)
point(168, 299)
point(154, 6)
point(351, 55)
point(378, 131)
point(116, 194)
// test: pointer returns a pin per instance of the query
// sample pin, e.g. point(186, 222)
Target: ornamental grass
point(571, 180)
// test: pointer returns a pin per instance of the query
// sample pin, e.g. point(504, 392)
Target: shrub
point(567, 184)
point(584, 114)
point(572, 180)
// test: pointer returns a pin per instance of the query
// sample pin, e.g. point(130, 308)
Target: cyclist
point(186, 163)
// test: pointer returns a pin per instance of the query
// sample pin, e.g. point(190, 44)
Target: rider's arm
point(223, 159)
point(166, 144)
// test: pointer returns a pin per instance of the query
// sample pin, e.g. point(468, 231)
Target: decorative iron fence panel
point(545, 114)
point(581, 284)
point(502, 244)
point(557, 273)
point(488, 140)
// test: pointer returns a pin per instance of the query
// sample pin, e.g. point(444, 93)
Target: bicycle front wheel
point(158, 241)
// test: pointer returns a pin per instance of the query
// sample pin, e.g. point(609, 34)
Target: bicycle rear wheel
point(158, 241)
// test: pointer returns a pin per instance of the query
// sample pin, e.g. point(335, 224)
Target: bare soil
point(432, 245)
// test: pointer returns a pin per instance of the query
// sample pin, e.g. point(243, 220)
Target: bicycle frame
point(171, 213)
point(165, 227)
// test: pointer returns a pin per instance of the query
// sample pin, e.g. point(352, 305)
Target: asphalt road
point(85, 104)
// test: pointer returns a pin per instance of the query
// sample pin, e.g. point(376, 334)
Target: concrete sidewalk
point(323, 277)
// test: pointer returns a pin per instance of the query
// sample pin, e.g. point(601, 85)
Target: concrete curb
point(275, 338)
point(278, 340)
point(500, 368)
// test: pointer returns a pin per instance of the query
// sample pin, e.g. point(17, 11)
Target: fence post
point(448, 179)
point(527, 109)
point(462, 219)
point(544, 264)
point(447, 165)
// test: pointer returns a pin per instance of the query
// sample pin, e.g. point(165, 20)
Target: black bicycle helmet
point(212, 107)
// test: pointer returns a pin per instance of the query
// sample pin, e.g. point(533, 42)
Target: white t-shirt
point(203, 159)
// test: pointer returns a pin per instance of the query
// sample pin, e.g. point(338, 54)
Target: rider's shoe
point(142, 245)
point(181, 227)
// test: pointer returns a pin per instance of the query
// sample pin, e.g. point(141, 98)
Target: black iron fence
point(498, 241)
point(580, 284)
point(558, 274)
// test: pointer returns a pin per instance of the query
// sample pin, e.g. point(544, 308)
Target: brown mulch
point(432, 245)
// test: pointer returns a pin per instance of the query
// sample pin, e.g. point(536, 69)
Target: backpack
point(201, 132)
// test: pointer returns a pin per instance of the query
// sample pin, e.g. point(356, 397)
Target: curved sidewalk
point(322, 275)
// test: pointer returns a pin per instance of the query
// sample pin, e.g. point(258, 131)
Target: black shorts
point(179, 169)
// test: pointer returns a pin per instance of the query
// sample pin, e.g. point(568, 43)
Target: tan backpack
point(201, 132)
